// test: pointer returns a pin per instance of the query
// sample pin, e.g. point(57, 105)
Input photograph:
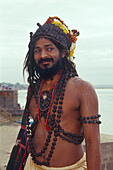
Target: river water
point(105, 97)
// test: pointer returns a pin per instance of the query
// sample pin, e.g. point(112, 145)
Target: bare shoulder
point(82, 86)
point(84, 91)
point(87, 96)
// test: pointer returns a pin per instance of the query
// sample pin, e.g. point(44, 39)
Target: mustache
point(45, 60)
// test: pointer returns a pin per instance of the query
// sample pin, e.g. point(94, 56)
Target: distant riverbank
point(19, 86)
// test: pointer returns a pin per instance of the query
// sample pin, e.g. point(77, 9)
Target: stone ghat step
point(4, 120)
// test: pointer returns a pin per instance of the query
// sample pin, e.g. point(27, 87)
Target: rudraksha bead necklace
point(53, 120)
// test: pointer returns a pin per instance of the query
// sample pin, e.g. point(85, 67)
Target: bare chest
point(62, 122)
point(64, 109)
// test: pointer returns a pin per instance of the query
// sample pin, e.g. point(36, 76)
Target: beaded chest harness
point(46, 101)
point(52, 122)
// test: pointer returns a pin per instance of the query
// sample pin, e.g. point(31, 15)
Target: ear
point(63, 53)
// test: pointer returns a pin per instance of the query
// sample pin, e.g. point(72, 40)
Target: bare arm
point(89, 107)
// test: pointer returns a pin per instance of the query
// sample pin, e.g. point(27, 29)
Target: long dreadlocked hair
point(30, 67)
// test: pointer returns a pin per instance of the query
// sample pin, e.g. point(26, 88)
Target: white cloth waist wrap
point(80, 165)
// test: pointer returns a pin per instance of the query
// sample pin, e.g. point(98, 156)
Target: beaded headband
point(57, 30)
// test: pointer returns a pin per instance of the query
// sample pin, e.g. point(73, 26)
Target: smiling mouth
point(45, 61)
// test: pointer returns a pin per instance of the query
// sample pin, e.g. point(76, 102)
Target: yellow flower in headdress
point(72, 34)
point(61, 26)
point(72, 49)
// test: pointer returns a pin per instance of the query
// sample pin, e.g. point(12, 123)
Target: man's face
point(47, 57)
point(46, 54)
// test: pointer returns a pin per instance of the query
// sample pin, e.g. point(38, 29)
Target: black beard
point(48, 73)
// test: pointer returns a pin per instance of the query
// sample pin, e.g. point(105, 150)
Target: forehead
point(44, 42)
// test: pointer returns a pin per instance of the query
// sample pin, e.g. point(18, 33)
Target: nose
point(43, 53)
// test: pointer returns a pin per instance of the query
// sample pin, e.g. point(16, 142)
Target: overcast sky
point(93, 18)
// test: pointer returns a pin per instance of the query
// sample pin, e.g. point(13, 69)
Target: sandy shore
point(8, 134)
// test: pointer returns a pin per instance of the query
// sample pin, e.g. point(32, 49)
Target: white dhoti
point(80, 165)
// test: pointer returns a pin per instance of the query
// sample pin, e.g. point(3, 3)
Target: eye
point(49, 49)
point(36, 50)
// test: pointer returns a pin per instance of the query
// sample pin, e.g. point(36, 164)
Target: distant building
point(9, 101)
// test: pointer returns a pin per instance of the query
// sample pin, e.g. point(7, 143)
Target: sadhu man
point(64, 107)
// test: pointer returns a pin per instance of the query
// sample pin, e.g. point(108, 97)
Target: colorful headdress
point(56, 29)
